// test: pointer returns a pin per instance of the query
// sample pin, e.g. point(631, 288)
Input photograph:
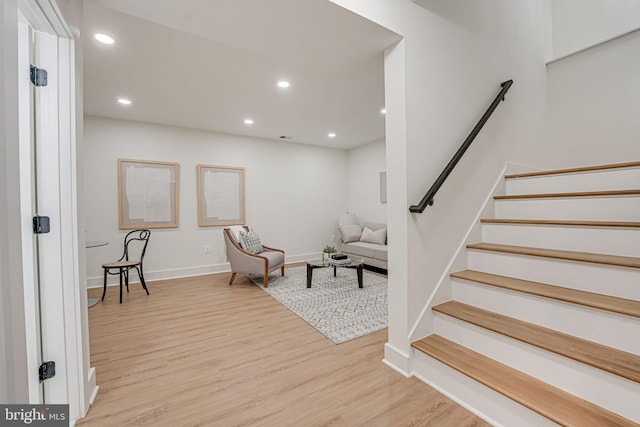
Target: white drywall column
point(398, 347)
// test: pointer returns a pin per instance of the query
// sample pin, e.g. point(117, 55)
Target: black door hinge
point(40, 224)
point(47, 370)
point(38, 76)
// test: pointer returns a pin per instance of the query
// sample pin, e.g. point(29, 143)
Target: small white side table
point(94, 244)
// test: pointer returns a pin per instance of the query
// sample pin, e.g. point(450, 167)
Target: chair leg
point(104, 290)
point(141, 276)
point(282, 270)
point(126, 279)
point(120, 276)
point(266, 280)
point(233, 276)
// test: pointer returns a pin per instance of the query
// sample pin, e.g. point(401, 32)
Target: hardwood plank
point(588, 299)
point(548, 401)
point(626, 365)
point(198, 352)
point(621, 261)
point(574, 170)
point(561, 222)
point(607, 193)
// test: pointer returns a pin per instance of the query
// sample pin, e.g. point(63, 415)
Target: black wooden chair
point(135, 245)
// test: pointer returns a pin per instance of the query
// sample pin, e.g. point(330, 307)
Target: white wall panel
point(364, 165)
point(295, 194)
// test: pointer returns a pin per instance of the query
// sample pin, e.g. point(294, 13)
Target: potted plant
point(327, 251)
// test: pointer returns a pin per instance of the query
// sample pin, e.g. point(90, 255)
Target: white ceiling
point(209, 64)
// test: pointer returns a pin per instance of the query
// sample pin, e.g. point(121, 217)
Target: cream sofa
point(367, 241)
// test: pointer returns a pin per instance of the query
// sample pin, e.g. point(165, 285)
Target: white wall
point(295, 194)
point(594, 98)
point(13, 369)
point(364, 164)
point(578, 24)
point(455, 55)
point(443, 75)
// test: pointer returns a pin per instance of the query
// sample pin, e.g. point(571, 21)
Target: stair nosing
point(542, 337)
point(574, 170)
point(555, 292)
point(571, 223)
point(588, 257)
point(564, 415)
point(607, 193)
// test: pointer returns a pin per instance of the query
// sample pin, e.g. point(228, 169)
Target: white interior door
point(26, 113)
point(48, 203)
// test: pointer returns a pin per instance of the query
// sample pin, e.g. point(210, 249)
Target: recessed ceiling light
point(248, 121)
point(383, 111)
point(103, 38)
point(332, 135)
point(124, 101)
point(283, 84)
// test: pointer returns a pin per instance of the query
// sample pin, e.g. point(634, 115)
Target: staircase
point(544, 325)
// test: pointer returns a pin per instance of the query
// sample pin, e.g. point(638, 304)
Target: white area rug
point(335, 306)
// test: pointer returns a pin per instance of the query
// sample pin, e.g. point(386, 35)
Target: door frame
point(63, 299)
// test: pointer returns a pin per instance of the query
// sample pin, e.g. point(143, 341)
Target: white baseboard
point(397, 360)
point(177, 273)
point(92, 386)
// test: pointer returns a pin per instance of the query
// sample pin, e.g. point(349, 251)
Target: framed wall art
point(147, 194)
point(221, 195)
point(383, 187)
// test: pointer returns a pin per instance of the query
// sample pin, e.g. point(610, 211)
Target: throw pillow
point(370, 236)
point(350, 233)
point(250, 242)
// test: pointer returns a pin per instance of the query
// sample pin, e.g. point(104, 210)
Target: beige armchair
point(247, 263)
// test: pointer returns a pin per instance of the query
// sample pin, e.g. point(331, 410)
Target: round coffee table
point(354, 263)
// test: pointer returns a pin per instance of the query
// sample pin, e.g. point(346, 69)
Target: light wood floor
point(197, 352)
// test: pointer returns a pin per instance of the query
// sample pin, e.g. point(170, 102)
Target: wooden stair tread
point(542, 398)
point(617, 362)
point(572, 194)
point(621, 261)
point(574, 170)
point(574, 296)
point(561, 222)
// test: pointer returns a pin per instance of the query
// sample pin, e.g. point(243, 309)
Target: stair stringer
point(443, 291)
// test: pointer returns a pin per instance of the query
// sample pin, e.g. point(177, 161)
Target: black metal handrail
point(428, 198)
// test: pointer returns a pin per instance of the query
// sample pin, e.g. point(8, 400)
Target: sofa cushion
point(364, 249)
point(350, 233)
point(380, 253)
point(370, 236)
point(374, 225)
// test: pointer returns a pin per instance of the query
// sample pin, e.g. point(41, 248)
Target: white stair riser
point(501, 410)
point(583, 322)
point(602, 279)
point(625, 208)
point(602, 240)
point(609, 391)
point(613, 179)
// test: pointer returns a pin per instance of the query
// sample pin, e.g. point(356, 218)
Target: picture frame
point(221, 195)
point(383, 187)
point(147, 194)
